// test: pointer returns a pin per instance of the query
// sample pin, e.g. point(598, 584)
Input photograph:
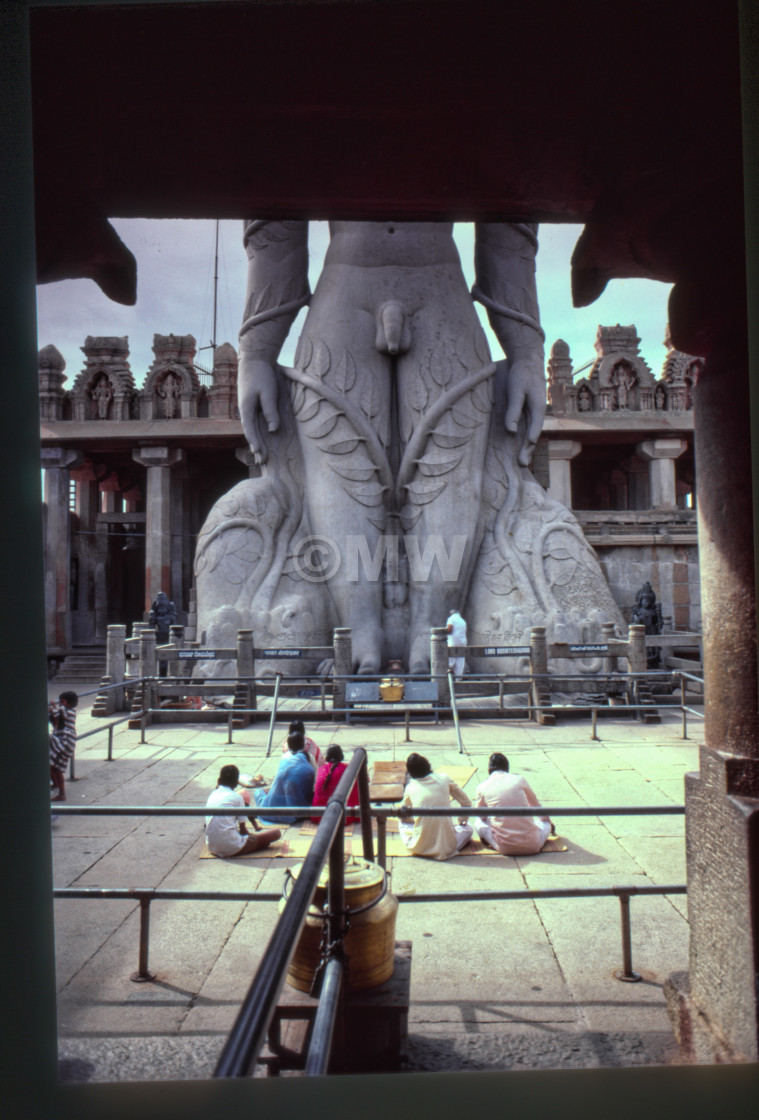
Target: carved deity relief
point(169, 390)
point(394, 453)
point(624, 379)
point(102, 395)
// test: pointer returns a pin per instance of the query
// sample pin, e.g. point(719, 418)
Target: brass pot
point(391, 688)
point(370, 942)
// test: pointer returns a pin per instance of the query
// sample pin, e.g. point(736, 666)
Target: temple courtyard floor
point(495, 985)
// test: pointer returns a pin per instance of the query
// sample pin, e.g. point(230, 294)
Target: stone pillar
point(115, 664)
point(179, 538)
point(246, 668)
point(439, 662)
point(158, 462)
point(147, 653)
point(57, 461)
point(636, 648)
point(560, 454)
point(714, 1006)
point(661, 454)
point(343, 662)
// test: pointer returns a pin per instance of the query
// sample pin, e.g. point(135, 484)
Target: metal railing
point(502, 680)
point(247, 1036)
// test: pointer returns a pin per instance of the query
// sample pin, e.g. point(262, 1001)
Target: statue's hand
point(526, 388)
point(257, 396)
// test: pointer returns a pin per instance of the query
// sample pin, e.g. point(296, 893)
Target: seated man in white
point(229, 836)
point(434, 837)
point(512, 836)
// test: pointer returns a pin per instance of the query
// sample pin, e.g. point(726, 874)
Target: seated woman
point(327, 777)
point(229, 836)
point(434, 837)
point(293, 783)
point(309, 746)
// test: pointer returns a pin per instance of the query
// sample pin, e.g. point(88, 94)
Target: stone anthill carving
point(171, 388)
point(393, 454)
point(105, 388)
point(50, 366)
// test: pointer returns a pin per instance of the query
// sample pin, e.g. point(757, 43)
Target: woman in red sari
point(327, 776)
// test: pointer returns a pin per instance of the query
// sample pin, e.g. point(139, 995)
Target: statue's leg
point(445, 394)
point(341, 403)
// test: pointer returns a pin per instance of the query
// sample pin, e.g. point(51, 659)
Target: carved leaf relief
point(422, 494)
point(344, 447)
point(326, 427)
point(345, 374)
point(431, 469)
point(322, 360)
point(353, 474)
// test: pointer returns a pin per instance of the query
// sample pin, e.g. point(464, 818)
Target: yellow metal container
point(370, 942)
point(391, 688)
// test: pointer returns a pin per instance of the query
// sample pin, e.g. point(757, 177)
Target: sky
point(175, 282)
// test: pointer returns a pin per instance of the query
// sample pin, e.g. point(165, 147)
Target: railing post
point(110, 742)
point(682, 703)
point(142, 974)
point(343, 661)
point(382, 840)
point(115, 668)
point(439, 663)
point(245, 669)
point(593, 734)
point(366, 813)
point(626, 972)
point(273, 720)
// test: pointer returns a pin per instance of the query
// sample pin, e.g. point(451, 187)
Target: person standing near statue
point(62, 717)
point(392, 395)
point(456, 628)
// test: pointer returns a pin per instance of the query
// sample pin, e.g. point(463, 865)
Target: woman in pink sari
point(327, 777)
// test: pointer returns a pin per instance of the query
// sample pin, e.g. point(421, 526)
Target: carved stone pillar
point(661, 454)
point(57, 462)
point(560, 455)
point(158, 462)
point(715, 1006)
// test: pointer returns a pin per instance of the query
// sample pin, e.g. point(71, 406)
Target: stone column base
point(715, 1007)
point(698, 1040)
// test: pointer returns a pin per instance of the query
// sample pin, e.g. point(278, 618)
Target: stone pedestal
point(561, 452)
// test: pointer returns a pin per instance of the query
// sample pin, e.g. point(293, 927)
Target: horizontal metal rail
point(396, 811)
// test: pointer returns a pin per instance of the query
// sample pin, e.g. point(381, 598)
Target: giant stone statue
point(394, 454)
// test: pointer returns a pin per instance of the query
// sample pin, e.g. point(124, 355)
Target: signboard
point(199, 654)
point(599, 647)
point(505, 651)
point(269, 654)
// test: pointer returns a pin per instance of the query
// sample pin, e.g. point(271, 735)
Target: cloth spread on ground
point(296, 845)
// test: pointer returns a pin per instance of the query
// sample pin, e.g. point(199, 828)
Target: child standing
point(62, 716)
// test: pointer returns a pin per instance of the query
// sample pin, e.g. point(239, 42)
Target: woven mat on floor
point(295, 845)
point(387, 779)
